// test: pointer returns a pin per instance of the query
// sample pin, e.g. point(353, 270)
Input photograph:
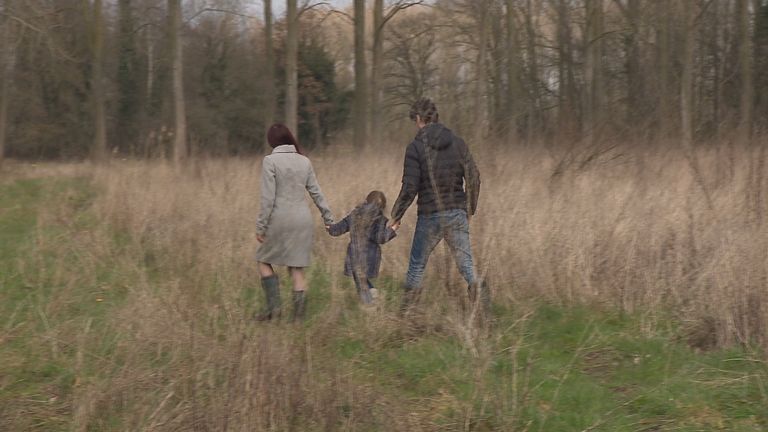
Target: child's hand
point(395, 225)
point(328, 229)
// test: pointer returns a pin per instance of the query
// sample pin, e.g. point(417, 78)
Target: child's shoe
point(374, 294)
point(366, 296)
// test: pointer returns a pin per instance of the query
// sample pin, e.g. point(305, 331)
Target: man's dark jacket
point(438, 150)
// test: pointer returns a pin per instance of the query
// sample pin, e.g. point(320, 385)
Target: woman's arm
point(317, 196)
point(267, 196)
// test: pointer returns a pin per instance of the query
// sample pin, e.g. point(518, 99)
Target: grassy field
point(125, 294)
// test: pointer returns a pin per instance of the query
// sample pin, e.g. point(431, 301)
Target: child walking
point(368, 230)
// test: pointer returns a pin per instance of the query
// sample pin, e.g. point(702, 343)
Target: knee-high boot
point(271, 286)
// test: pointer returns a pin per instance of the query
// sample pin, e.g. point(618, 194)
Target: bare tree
point(686, 81)
point(269, 66)
point(567, 118)
point(594, 66)
point(513, 69)
point(359, 114)
point(480, 72)
point(7, 66)
point(664, 14)
point(533, 80)
point(99, 150)
point(376, 72)
point(411, 66)
point(380, 19)
point(291, 65)
point(745, 64)
point(177, 68)
point(631, 13)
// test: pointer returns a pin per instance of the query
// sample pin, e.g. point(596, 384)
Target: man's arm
point(410, 187)
point(471, 177)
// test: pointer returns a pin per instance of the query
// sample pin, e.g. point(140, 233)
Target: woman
point(284, 227)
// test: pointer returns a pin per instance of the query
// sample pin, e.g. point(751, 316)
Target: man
point(439, 169)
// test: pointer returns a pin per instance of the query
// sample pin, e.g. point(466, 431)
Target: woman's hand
point(260, 238)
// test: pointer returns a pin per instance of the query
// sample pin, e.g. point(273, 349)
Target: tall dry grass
point(628, 228)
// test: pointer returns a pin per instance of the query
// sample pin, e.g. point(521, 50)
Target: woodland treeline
point(173, 78)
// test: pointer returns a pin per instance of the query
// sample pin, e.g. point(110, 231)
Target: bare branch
point(307, 7)
point(343, 14)
point(225, 11)
point(397, 7)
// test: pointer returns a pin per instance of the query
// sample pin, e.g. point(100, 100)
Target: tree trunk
point(513, 71)
point(8, 59)
point(686, 96)
point(291, 67)
point(360, 110)
point(269, 66)
point(664, 27)
point(480, 74)
point(179, 107)
point(534, 110)
point(99, 150)
point(594, 67)
point(378, 54)
point(760, 45)
point(150, 67)
point(566, 114)
point(686, 80)
point(127, 81)
point(745, 64)
point(635, 100)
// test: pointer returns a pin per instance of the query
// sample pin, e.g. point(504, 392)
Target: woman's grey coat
point(285, 219)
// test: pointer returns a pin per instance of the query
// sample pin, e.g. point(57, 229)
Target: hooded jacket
point(439, 169)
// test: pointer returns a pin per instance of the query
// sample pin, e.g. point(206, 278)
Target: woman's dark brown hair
point(279, 134)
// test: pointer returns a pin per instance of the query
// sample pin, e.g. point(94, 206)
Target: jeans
point(451, 225)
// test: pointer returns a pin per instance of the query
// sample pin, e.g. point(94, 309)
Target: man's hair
point(426, 109)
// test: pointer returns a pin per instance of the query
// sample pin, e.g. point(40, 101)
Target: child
point(368, 229)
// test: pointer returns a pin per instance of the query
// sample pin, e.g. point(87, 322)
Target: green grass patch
point(571, 369)
point(541, 368)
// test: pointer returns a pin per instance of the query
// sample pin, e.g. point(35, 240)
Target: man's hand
point(260, 238)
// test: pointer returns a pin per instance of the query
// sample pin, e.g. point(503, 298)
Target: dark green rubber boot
point(271, 286)
point(299, 306)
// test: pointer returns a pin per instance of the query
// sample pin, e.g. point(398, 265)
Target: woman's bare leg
point(266, 270)
point(299, 281)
